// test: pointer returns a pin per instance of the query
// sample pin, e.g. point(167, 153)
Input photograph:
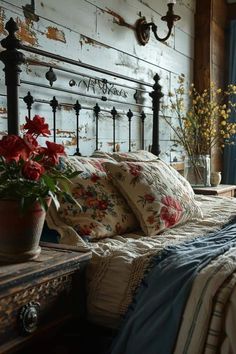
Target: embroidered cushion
point(103, 211)
point(139, 155)
point(158, 198)
point(183, 180)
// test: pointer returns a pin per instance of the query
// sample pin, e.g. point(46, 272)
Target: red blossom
point(92, 203)
point(32, 170)
point(50, 161)
point(55, 149)
point(102, 205)
point(37, 126)
point(149, 198)
point(94, 177)
point(12, 147)
point(151, 219)
point(30, 142)
point(134, 169)
point(171, 212)
point(98, 164)
point(84, 230)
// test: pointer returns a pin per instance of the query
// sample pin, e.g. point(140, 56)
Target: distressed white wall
point(99, 32)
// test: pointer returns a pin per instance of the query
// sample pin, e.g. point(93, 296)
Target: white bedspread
point(118, 264)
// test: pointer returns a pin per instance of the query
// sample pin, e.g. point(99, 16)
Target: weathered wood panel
point(101, 33)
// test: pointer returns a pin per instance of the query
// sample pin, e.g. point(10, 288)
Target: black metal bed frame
point(13, 58)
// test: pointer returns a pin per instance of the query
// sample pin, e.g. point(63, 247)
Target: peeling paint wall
point(100, 33)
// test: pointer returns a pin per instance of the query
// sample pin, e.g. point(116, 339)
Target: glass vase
point(197, 170)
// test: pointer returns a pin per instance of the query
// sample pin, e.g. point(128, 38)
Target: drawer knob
point(29, 317)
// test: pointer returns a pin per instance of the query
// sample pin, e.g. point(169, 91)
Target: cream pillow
point(103, 211)
point(158, 198)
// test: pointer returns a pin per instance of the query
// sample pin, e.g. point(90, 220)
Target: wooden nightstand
point(37, 297)
point(222, 190)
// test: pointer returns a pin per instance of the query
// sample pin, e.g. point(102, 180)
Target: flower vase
point(197, 170)
point(20, 231)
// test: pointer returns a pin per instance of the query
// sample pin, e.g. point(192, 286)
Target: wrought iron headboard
point(12, 58)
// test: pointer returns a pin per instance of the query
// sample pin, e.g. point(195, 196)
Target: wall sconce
point(143, 28)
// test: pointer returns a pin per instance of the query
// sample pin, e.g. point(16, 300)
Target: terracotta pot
point(20, 232)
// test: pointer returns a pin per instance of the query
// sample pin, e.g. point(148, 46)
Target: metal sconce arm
point(143, 28)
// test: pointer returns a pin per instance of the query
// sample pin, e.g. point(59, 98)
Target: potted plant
point(30, 176)
point(201, 125)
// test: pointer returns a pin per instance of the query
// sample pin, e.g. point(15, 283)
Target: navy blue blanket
point(153, 320)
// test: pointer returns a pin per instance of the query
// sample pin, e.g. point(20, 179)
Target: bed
point(162, 273)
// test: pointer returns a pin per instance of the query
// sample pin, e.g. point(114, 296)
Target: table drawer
point(24, 313)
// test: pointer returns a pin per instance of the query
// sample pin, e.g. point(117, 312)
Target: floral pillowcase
point(158, 198)
point(103, 211)
point(143, 156)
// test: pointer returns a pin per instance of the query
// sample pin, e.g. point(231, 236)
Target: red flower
point(55, 149)
point(151, 219)
point(102, 204)
point(98, 164)
point(84, 230)
point(12, 147)
point(37, 126)
point(171, 212)
point(94, 177)
point(134, 169)
point(51, 154)
point(92, 202)
point(32, 170)
point(149, 198)
point(30, 142)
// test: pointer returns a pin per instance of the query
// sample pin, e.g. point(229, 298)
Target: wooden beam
point(202, 63)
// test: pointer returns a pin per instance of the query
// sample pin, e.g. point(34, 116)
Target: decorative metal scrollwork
point(29, 317)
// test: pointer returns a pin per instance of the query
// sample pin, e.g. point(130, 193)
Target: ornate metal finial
point(11, 42)
point(96, 109)
point(129, 115)
point(77, 107)
point(113, 112)
point(12, 60)
point(51, 76)
point(157, 93)
point(29, 100)
point(54, 104)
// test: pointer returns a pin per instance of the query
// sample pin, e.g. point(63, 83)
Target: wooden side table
point(36, 297)
point(222, 190)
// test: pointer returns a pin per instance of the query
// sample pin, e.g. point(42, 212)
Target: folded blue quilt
point(152, 322)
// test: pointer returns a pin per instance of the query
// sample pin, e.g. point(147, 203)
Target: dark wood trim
point(231, 12)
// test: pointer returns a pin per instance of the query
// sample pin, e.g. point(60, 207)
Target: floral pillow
point(139, 155)
point(183, 180)
point(103, 211)
point(158, 199)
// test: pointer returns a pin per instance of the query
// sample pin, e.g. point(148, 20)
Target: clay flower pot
point(20, 232)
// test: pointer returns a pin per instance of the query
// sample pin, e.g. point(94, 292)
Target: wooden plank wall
point(210, 52)
point(101, 33)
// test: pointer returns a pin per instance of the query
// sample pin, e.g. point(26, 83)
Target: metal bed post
point(156, 95)
point(12, 60)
